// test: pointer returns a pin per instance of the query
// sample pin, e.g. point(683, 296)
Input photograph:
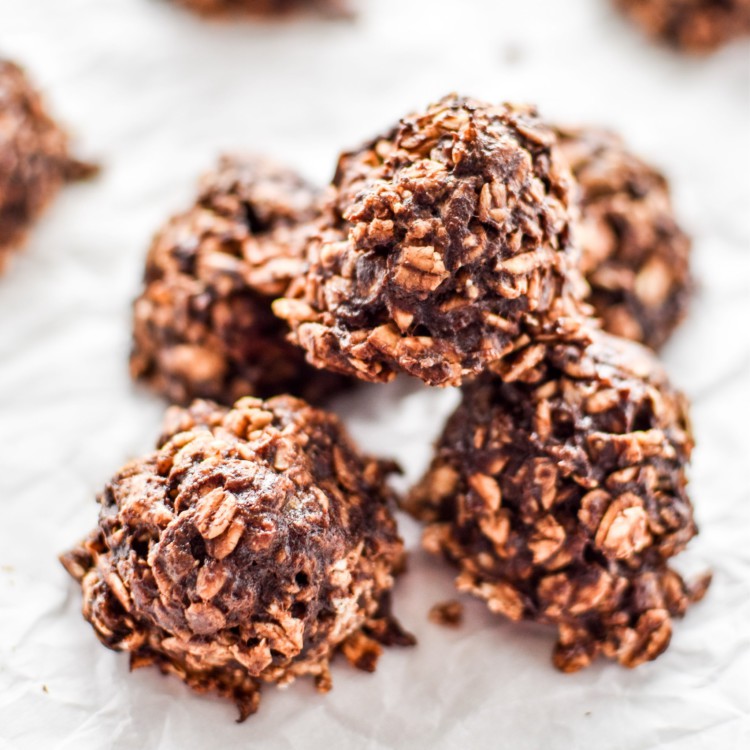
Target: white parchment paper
point(156, 94)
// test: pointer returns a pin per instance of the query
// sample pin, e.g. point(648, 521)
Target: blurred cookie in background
point(265, 7)
point(693, 26)
point(635, 256)
point(35, 160)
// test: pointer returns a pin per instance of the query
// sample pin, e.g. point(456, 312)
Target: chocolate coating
point(693, 26)
point(560, 495)
point(253, 544)
point(445, 243)
point(34, 158)
point(203, 325)
point(634, 255)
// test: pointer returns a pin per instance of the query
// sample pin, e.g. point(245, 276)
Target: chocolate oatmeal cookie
point(35, 160)
point(560, 495)
point(634, 254)
point(262, 7)
point(446, 243)
point(694, 26)
point(203, 325)
point(252, 545)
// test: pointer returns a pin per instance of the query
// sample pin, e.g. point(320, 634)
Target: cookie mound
point(203, 325)
point(634, 255)
point(445, 242)
point(253, 544)
point(693, 26)
point(262, 7)
point(35, 161)
point(560, 495)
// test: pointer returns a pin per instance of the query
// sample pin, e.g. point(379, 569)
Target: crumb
point(450, 613)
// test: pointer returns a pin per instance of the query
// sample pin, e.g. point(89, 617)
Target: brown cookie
point(560, 495)
point(444, 246)
point(263, 7)
point(253, 544)
point(634, 255)
point(203, 325)
point(35, 161)
point(693, 26)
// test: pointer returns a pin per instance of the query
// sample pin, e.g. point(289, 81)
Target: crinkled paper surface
point(155, 94)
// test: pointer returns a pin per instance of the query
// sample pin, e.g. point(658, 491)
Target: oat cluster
point(34, 158)
point(634, 255)
point(560, 495)
point(252, 545)
point(693, 26)
point(203, 326)
point(445, 243)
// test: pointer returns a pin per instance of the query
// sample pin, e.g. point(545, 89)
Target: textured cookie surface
point(445, 243)
point(203, 326)
point(634, 255)
point(253, 544)
point(560, 495)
